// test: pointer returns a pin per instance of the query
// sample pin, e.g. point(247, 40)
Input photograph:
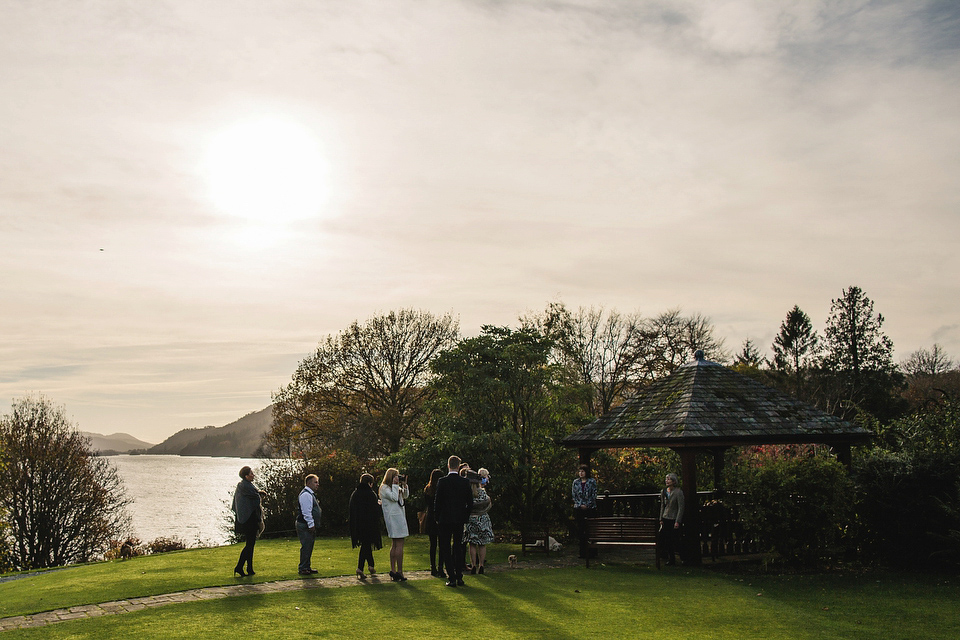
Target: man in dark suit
point(452, 505)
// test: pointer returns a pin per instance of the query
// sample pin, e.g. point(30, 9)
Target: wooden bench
point(622, 531)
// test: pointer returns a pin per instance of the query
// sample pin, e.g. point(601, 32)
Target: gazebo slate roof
point(704, 404)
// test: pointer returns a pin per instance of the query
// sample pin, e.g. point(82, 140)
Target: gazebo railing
point(721, 530)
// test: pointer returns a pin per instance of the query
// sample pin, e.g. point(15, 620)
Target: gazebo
point(704, 407)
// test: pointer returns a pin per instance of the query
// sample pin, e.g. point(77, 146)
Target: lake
point(184, 497)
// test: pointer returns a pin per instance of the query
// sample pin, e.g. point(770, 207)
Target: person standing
point(479, 530)
point(308, 520)
point(584, 493)
point(365, 523)
point(671, 514)
point(249, 519)
point(452, 506)
point(393, 492)
point(430, 522)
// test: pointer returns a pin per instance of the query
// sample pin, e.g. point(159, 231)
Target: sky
point(194, 193)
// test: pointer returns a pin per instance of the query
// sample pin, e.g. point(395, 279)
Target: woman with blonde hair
point(671, 514)
point(393, 493)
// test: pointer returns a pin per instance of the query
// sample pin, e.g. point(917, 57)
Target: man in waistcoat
point(308, 519)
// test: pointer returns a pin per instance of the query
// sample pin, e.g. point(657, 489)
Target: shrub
point(282, 481)
point(799, 499)
point(123, 549)
point(906, 505)
point(162, 545)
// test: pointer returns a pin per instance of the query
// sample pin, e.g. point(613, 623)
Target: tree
point(63, 503)
point(857, 372)
point(500, 388)
point(362, 390)
point(602, 350)
point(795, 347)
point(671, 339)
point(749, 355)
point(931, 377)
point(927, 363)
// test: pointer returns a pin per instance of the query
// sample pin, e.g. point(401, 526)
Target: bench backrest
point(627, 529)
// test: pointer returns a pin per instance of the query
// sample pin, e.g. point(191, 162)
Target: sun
point(267, 170)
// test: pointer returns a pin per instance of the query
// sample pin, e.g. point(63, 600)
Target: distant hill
point(115, 442)
point(239, 438)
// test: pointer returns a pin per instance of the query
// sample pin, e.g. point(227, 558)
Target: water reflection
point(183, 497)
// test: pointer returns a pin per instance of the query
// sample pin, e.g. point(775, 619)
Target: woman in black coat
point(249, 517)
point(365, 523)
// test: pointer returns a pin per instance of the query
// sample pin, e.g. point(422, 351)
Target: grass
point(606, 601)
point(193, 568)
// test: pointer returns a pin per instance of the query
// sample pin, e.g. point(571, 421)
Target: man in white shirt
point(308, 519)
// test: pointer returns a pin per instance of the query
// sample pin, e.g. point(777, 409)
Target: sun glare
point(267, 170)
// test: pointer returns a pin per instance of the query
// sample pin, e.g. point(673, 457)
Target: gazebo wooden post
point(690, 544)
point(718, 469)
point(585, 456)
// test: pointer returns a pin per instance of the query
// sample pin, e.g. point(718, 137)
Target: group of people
point(456, 519)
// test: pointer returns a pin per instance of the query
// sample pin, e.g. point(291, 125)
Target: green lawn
point(611, 601)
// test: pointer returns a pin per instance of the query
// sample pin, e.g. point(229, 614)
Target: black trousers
point(450, 539)
point(366, 555)
point(669, 540)
point(581, 516)
point(249, 533)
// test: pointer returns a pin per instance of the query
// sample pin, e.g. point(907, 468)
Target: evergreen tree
point(857, 360)
point(794, 347)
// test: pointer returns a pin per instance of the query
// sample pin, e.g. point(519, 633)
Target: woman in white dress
point(393, 493)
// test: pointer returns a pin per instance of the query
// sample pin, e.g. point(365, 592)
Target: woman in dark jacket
point(365, 523)
point(249, 516)
point(430, 525)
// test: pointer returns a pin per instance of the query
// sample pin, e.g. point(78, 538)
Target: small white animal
point(513, 561)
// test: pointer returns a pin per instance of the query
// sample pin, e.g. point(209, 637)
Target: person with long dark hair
point(584, 492)
point(365, 523)
point(430, 524)
point(248, 520)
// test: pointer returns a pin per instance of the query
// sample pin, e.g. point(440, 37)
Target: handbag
point(422, 518)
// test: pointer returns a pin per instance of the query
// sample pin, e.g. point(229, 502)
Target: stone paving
point(212, 593)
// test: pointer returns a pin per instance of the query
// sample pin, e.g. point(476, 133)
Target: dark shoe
point(395, 576)
point(251, 572)
point(314, 571)
point(451, 582)
point(305, 572)
point(360, 575)
point(401, 578)
point(473, 571)
point(238, 572)
point(435, 573)
point(459, 582)
point(372, 572)
point(480, 570)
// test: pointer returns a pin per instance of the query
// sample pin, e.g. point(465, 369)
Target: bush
point(282, 481)
point(62, 503)
point(163, 545)
point(123, 549)
point(800, 499)
point(907, 506)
